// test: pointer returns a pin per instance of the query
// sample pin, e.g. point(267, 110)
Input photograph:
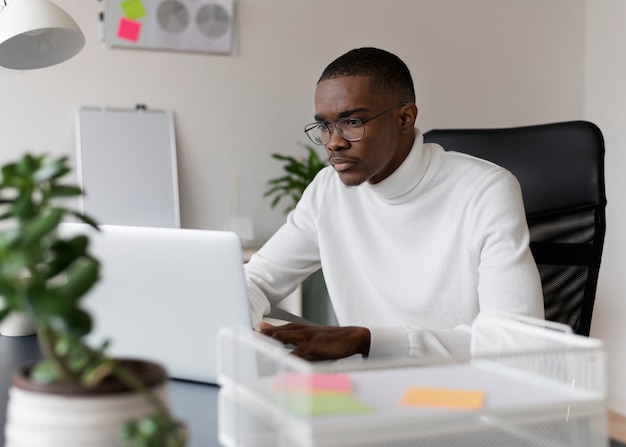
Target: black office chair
point(560, 168)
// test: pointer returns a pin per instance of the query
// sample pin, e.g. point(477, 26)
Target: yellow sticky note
point(443, 398)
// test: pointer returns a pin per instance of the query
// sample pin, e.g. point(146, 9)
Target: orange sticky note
point(443, 398)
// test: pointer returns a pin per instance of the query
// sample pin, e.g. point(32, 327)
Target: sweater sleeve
point(284, 261)
point(419, 342)
point(508, 279)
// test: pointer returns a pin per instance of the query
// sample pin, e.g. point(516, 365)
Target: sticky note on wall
point(129, 30)
point(133, 9)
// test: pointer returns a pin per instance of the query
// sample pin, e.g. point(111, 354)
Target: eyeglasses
point(351, 129)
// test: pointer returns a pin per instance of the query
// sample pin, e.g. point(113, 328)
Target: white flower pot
point(16, 324)
point(53, 418)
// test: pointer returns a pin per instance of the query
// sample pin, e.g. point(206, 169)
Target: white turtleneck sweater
point(416, 258)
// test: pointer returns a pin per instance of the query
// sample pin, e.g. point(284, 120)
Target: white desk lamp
point(36, 34)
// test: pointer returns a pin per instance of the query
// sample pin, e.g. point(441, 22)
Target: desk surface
point(194, 403)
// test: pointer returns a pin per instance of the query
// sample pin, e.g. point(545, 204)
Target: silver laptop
point(165, 293)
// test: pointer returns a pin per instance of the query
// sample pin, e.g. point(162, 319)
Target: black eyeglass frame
point(318, 124)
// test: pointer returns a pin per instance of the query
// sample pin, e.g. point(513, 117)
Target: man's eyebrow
point(344, 114)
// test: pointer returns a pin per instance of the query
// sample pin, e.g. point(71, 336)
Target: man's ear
point(408, 115)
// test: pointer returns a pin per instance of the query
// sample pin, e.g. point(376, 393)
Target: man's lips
point(342, 163)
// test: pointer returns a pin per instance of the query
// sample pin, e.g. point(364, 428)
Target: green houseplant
point(44, 276)
point(299, 172)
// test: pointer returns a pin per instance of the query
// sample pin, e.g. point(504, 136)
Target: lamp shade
point(37, 34)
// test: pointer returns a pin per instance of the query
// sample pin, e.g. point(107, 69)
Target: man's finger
point(263, 325)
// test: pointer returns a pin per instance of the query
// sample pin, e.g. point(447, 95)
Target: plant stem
point(47, 341)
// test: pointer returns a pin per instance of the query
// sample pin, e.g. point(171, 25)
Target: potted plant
point(44, 277)
point(299, 172)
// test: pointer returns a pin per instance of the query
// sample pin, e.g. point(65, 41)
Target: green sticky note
point(133, 9)
point(320, 404)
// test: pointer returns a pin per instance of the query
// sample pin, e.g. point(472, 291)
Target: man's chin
point(350, 180)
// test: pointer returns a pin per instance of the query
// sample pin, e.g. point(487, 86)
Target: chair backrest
point(560, 167)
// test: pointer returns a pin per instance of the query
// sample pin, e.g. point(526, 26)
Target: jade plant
point(45, 276)
point(299, 172)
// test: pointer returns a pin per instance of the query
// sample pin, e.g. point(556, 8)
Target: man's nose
point(336, 141)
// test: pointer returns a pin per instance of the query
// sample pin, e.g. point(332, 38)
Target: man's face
point(374, 157)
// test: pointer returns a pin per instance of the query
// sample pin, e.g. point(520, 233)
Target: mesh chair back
point(560, 168)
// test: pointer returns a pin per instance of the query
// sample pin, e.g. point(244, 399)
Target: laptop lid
point(164, 294)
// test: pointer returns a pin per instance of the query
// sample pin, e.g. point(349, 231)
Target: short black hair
point(389, 74)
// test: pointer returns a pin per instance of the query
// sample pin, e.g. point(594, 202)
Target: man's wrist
point(364, 338)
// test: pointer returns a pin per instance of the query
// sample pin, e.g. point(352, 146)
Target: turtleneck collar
point(413, 175)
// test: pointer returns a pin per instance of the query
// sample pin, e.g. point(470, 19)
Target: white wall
point(605, 104)
point(475, 63)
point(484, 62)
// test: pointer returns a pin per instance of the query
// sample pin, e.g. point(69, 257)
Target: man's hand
point(314, 342)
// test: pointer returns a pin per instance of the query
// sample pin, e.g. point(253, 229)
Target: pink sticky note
point(129, 29)
point(312, 383)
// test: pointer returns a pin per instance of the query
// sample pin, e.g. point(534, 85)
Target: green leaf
point(8, 173)
point(45, 372)
point(76, 323)
point(149, 426)
point(84, 218)
point(42, 226)
point(52, 170)
point(24, 208)
point(7, 290)
point(27, 165)
point(46, 303)
point(284, 158)
point(65, 191)
point(7, 215)
point(300, 172)
point(65, 252)
point(129, 431)
point(81, 277)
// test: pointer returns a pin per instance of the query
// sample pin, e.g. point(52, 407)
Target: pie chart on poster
point(173, 16)
point(213, 20)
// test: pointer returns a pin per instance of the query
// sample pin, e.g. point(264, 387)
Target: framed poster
point(205, 26)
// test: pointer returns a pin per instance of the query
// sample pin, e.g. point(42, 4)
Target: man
point(414, 242)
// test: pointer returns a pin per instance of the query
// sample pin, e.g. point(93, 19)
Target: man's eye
point(352, 122)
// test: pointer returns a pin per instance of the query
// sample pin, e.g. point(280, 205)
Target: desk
point(194, 403)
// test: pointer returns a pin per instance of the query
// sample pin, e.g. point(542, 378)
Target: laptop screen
point(165, 293)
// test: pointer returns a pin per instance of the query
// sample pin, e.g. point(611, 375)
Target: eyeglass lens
point(351, 129)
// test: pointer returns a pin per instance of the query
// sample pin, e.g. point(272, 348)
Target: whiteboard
point(126, 166)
